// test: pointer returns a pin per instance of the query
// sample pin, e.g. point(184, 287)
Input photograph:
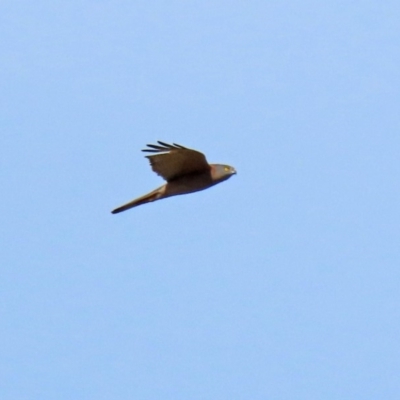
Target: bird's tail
point(147, 198)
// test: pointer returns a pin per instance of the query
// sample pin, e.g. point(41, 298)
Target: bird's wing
point(174, 161)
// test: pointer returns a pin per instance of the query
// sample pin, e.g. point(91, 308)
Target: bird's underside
point(185, 171)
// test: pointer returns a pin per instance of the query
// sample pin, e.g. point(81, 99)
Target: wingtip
point(163, 147)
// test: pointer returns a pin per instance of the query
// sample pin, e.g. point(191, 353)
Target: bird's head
point(221, 172)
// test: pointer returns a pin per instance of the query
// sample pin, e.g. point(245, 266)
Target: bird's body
point(185, 170)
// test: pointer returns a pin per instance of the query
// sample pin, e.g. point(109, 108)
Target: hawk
point(185, 171)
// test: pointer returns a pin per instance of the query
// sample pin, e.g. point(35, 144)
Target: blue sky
point(281, 283)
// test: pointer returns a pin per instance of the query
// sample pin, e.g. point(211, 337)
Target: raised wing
point(174, 161)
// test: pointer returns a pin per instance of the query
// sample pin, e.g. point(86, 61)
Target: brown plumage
point(185, 171)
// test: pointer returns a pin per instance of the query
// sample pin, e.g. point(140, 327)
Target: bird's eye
point(226, 169)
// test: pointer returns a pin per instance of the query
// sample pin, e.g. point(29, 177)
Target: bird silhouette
point(185, 171)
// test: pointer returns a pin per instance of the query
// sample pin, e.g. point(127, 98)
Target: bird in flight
point(185, 171)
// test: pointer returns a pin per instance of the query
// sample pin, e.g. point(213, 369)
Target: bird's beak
point(234, 171)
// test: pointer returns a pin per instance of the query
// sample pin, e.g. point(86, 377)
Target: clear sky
point(280, 283)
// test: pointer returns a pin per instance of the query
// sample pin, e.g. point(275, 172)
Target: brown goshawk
point(185, 171)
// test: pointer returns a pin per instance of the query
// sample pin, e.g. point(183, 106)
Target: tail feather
point(147, 198)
